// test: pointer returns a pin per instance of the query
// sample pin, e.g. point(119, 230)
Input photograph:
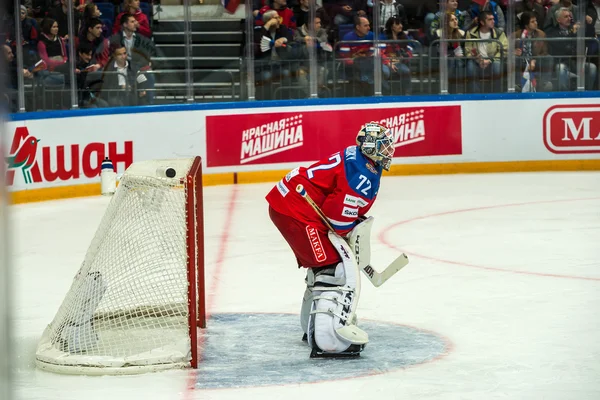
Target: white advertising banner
point(66, 151)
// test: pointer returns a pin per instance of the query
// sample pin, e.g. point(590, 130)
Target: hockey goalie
point(324, 236)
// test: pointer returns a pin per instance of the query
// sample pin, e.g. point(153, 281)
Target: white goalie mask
point(376, 141)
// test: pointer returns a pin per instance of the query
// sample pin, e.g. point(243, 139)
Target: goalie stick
point(376, 278)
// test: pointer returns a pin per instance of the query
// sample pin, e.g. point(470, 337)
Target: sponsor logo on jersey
point(282, 188)
point(355, 201)
point(315, 243)
point(350, 212)
point(572, 129)
point(408, 128)
point(271, 138)
point(292, 174)
point(351, 153)
point(371, 168)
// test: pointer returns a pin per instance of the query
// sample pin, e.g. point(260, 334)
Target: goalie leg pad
point(335, 297)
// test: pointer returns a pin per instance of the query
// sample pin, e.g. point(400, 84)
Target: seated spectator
point(60, 14)
point(358, 57)
point(455, 53)
point(531, 6)
point(272, 48)
point(492, 7)
point(53, 51)
point(10, 95)
point(452, 8)
point(83, 67)
point(533, 65)
point(101, 46)
point(121, 86)
point(301, 12)
point(487, 54)
point(140, 50)
point(345, 11)
point(92, 12)
point(30, 37)
point(389, 9)
point(133, 7)
point(565, 51)
point(556, 6)
point(322, 47)
point(397, 55)
point(288, 19)
point(593, 11)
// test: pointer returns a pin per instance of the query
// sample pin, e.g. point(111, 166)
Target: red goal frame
point(195, 259)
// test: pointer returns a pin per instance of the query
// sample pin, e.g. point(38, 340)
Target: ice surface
point(504, 277)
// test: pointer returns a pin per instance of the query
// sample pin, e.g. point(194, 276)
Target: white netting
point(127, 309)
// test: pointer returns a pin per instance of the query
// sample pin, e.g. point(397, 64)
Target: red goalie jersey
point(344, 186)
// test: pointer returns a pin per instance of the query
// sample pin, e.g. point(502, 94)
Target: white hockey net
point(133, 304)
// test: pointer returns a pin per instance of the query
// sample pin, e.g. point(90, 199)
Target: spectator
point(133, 7)
point(487, 53)
point(455, 52)
point(301, 12)
point(271, 49)
point(533, 64)
point(555, 5)
point(389, 9)
point(101, 46)
point(565, 51)
point(60, 15)
point(323, 50)
point(397, 55)
point(29, 31)
point(492, 7)
point(452, 8)
point(288, 19)
point(345, 11)
point(52, 50)
point(140, 51)
point(531, 6)
point(92, 12)
point(10, 96)
point(119, 81)
point(358, 57)
point(83, 67)
point(593, 11)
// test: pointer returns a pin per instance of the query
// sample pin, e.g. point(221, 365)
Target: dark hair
point(116, 45)
point(526, 18)
point(388, 26)
point(88, 12)
point(85, 47)
point(357, 20)
point(125, 17)
point(483, 16)
point(47, 25)
point(92, 23)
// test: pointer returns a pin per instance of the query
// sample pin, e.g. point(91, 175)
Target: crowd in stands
point(112, 53)
point(114, 46)
point(476, 43)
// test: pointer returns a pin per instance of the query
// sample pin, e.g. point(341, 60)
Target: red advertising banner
point(572, 129)
point(248, 139)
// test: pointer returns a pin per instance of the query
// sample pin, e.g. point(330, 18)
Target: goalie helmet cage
point(138, 298)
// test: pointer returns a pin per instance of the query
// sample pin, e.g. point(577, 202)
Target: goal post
point(138, 298)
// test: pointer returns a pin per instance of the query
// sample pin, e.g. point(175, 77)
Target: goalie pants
point(312, 247)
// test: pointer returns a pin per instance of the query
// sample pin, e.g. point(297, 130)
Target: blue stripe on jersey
point(341, 226)
point(363, 180)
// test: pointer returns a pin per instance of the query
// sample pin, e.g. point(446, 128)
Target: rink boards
point(58, 154)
